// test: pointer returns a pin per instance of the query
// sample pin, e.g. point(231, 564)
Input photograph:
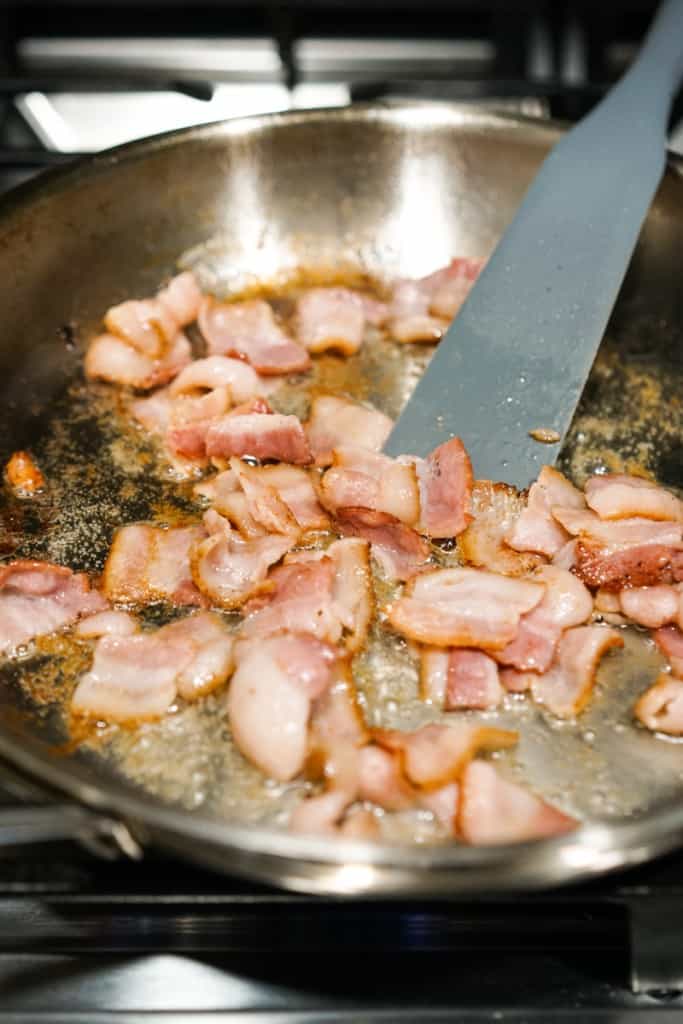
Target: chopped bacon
point(249, 330)
point(618, 496)
point(400, 551)
point(459, 678)
point(566, 556)
point(608, 602)
point(337, 716)
point(241, 379)
point(653, 606)
point(661, 706)
point(138, 677)
point(493, 810)
point(360, 823)
point(330, 318)
point(464, 608)
point(445, 482)
point(618, 534)
point(495, 507)
point(566, 603)
point(182, 297)
point(23, 475)
point(451, 285)
point(264, 504)
point(154, 411)
point(417, 327)
point(443, 803)
point(145, 324)
point(147, 563)
point(352, 589)
point(515, 681)
point(669, 639)
point(107, 623)
point(111, 359)
point(363, 479)
point(292, 485)
point(38, 597)
point(381, 780)
point(422, 308)
point(536, 529)
point(300, 600)
point(262, 436)
point(566, 687)
point(337, 421)
point(320, 814)
point(271, 696)
point(228, 569)
point(435, 755)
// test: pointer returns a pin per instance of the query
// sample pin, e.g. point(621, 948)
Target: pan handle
point(104, 836)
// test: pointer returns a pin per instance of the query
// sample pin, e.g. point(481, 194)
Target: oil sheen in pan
point(103, 472)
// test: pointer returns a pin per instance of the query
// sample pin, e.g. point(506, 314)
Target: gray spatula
point(517, 356)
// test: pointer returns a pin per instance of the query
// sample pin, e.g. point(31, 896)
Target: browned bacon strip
point(38, 597)
point(618, 496)
point(138, 676)
point(661, 706)
point(493, 810)
point(445, 481)
point(400, 550)
point(273, 436)
point(566, 687)
point(464, 608)
point(249, 330)
point(271, 697)
point(495, 508)
point(147, 563)
point(23, 475)
point(337, 421)
point(536, 529)
point(437, 754)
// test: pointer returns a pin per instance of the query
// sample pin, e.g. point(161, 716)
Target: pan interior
point(269, 205)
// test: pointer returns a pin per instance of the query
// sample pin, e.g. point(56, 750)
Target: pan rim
point(326, 867)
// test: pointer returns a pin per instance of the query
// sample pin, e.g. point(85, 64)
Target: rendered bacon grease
point(302, 529)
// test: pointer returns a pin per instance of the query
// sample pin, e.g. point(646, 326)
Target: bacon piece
point(337, 717)
point(264, 504)
point(363, 479)
point(566, 556)
point(241, 379)
point(459, 678)
point(111, 359)
point(619, 496)
point(37, 598)
point(653, 606)
point(23, 475)
point(148, 563)
point(566, 603)
point(493, 810)
point(107, 623)
point(443, 803)
point(623, 553)
point(422, 308)
point(330, 318)
point(352, 592)
point(319, 815)
point(381, 780)
point(249, 330)
point(154, 411)
point(464, 608)
point(137, 677)
point(445, 481)
point(292, 485)
point(495, 507)
point(270, 699)
point(669, 639)
point(400, 551)
point(566, 687)
point(261, 436)
point(228, 569)
point(337, 421)
point(660, 708)
point(608, 602)
point(451, 285)
point(360, 824)
point(536, 529)
point(145, 324)
point(515, 681)
point(435, 755)
point(182, 298)
point(300, 600)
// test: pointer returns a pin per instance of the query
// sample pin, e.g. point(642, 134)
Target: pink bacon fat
point(148, 563)
point(249, 330)
point(37, 598)
point(566, 687)
point(494, 810)
point(271, 697)
point(464, 608)
point(330, 318)
point(337, 421)
point(139, 676)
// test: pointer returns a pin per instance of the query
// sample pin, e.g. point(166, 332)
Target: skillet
point(392, 189)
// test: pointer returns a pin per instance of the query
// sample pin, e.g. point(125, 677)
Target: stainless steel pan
point(394, 189)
